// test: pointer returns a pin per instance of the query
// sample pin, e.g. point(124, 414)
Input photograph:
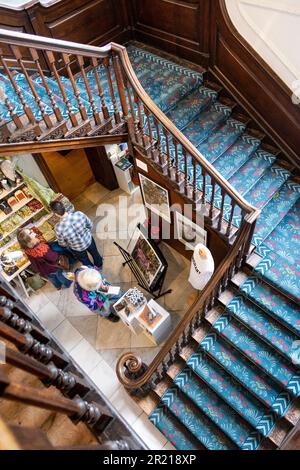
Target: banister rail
point(130, 368)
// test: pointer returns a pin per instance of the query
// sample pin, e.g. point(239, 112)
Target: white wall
point(30, 167)
point(272, 28)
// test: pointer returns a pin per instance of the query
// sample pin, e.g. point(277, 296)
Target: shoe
point(113, 318)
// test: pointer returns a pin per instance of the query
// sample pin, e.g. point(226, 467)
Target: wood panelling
point(72, 173)
point(173, 25)
point(15, 21)
point(254, 84)
point(93, 22)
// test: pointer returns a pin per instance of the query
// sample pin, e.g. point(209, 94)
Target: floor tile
point(105, 378)
point(50, 316)
point(67, 335)
point(126, 406)
point(153, 438)
point(86, 356)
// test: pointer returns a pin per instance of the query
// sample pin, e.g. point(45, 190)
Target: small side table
point(161, 326)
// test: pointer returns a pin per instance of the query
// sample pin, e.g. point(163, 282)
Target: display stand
point(156, 289)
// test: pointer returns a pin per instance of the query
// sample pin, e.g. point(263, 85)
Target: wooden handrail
point(55, 45)
point(205, 295)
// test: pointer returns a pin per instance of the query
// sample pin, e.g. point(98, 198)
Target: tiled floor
point(95, 343)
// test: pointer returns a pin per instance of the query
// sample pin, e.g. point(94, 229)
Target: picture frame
point(146, 257)
point(155, 197)
point(187, 232)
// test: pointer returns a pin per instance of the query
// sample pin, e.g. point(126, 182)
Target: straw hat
point(89, 279)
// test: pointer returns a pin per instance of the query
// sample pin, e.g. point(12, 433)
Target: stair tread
point(264, 355)
point(285, 237)
point(200, 128)
point(227, 387)
point(281, 272)
point(237, 155)
point(222, 139)
point(170, 427)
point(272, 301)
point(190, 106)
point(195, 421)
point(215, 408)
point(245, 178)
point(259, 321)
point(275, 210)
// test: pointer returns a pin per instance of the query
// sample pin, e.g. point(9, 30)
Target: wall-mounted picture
point(145, 257)
point(156, 198)
point(187, 232)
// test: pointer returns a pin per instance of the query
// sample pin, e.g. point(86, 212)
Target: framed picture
point(187, 232)
point(148, 262)
point(156, 198)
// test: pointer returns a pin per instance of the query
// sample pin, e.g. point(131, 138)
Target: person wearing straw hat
point(92, 289)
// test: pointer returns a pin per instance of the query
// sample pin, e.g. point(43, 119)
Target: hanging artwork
point(187, 232)
point(145, 257)
point(156, 198)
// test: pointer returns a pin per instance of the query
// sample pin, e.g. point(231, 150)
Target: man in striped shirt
point(74, 231)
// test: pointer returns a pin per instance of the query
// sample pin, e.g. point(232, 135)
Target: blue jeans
point(82, 256)
point(59, 280)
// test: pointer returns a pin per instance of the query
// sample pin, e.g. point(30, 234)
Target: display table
point(150, 318)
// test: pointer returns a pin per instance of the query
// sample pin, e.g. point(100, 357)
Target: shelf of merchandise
point(6, 193)
point(27, 264)
point(16, 209)
point(24, 221)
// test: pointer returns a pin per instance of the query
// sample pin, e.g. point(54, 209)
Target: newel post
point(131, 368)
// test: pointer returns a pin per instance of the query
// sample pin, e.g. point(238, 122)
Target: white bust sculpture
point(202, 267)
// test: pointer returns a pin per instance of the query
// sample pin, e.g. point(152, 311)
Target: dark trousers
point(59, 280)
point(82, 256)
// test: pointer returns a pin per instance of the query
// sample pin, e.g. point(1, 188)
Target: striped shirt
point(74, 231)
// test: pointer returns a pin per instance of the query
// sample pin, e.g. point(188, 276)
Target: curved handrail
point(188, 317)
point(180, 137)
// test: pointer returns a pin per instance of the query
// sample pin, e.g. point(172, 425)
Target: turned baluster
point(233, 205)
point(212, 199)
point(106, 63)
point(71, 114)
point(132, 110)
point(223, 195)
point(164, 368)
point(120, 85)
point(183, 339)
point(22, 325)
point(35, 57)
point(66, 60)
point(152, 141)
point(195, 192)
point(203, 187)
point(169, 158)
point(27, 109)
point(50, 374)
point(186, 173)
point(27, 344)
point(177, 348)
point(159, 144)
point(77, 409)
point(171, 357)
point(14, 117)
point(100, 89)
point(175, 143)
point(141, 120)
point(80, 61)
point(17, 53)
